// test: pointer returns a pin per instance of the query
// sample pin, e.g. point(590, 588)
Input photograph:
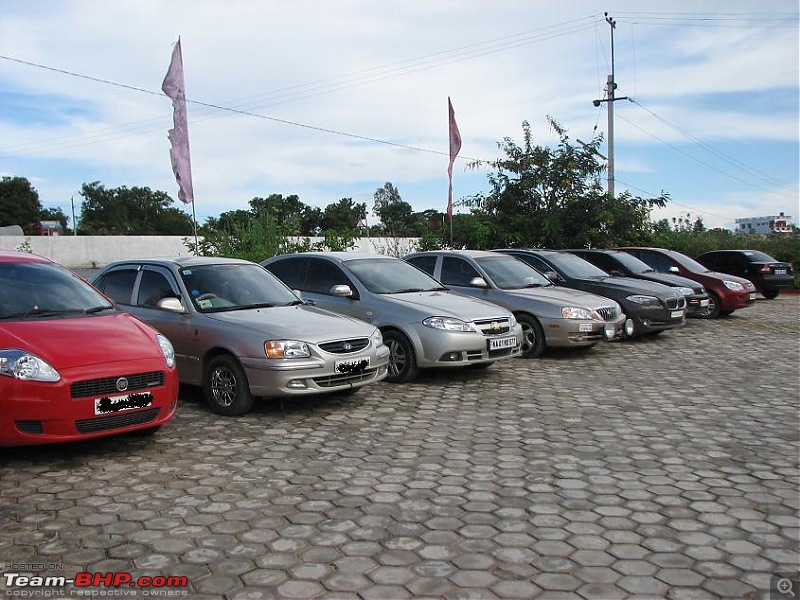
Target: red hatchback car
point(726, 293)
point(73, 366)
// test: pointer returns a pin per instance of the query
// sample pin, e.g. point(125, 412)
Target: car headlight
point(733, 285)
point(512, 321)
point(685, 291)
point(377, 338)
point(167, 350)
point(26, 366)
point(286, 349)
point(644, 300)
point(447, 324)
point(575, 312)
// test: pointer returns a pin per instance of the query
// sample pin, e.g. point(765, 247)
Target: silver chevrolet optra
point(423, 324)
point(241, 333)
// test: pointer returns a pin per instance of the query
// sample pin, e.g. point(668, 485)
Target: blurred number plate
point(112, 404)
point(677, 314)
point(354, 365)
point(502, 343)
point(585, 327)
point(752, 296)
point(780, 271)
point(703, 302)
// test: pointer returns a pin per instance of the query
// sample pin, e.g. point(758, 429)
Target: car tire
point(533, 343)
point(770, 294)
point(226, 388)
point(713, 311)
point(402, 360)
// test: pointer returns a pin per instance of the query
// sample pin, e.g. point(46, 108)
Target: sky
point(332, 99)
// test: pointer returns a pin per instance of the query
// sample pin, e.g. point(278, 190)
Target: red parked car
point(73, 366)
point(726, 293)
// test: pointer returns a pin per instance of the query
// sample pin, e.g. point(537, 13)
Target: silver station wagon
point(550, 316)
point(423, 324)
point(241, 333)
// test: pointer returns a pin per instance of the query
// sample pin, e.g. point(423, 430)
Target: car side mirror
point(674, 269)
point(171, 304)
point(552, 276)
point(478, 282)
point(342, 291)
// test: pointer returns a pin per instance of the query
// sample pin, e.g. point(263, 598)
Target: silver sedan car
point(240, 333)
point(550, 316)
point(423, 324)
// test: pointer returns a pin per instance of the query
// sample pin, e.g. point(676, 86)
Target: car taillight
point(765, 269)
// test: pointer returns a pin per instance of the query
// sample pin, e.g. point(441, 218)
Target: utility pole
point(74, 224)
point(611, 86)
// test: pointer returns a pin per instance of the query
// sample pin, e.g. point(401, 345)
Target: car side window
point(424, 263)
point(658, 262)
point(289, 271)
point(535, 262)
point(602, 261)
point(323, 275)
point(154, 286)
point(457, 271)
point(118, 285)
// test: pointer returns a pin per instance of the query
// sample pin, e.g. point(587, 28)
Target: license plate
point(112, 404)
point(703, 302)
point(502, 343)
point(353, 365)
point(752, 296)
point(780, 271)
point(676, 314)
point(585, 327)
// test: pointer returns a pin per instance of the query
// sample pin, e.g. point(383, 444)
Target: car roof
point(18, 256)
point(182, 261)
point(594, 250)
point(337, 256)
point(470, 253)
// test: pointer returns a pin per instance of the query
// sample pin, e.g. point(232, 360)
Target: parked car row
point(80, 361)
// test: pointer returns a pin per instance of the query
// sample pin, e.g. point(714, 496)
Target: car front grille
point(609, 313)
point(675, 303)
point(345, 378)
point(490, 327)
point(123, 419)
point(345, 346)
point(108, 385)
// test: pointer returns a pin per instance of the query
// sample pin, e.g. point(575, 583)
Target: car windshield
point(33, 290)
point(575, 266)
point(630, 262)
point(508, 273)
point(391, 276)
point(225, 287)
point(756, 256)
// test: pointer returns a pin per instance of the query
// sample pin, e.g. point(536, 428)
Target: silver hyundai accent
point(423, 324)
point(241, 333)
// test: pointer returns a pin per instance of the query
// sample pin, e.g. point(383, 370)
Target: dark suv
point(766, 273)
point(622, 264)
point(651, 307)
point(726, 293)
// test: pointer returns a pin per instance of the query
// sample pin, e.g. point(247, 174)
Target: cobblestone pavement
point(660, 467)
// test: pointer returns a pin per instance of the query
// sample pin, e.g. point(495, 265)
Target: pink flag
point(455, 147)
point(173, 87)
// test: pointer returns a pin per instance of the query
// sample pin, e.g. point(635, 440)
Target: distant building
point(51, 228)
point(765, 225)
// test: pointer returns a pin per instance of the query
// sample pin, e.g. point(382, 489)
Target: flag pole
point(455, 147)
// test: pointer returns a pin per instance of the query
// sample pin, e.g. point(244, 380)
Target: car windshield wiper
point(254, 305)
point(97, 309)
point(37, 313)
point(295, 303)
point(408, 291)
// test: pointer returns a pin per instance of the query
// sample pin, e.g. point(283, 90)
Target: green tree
point(130, 211)
point(19, 203)
point(554, 197)
point(343, 215)
point(54, 214)
point(395, 214)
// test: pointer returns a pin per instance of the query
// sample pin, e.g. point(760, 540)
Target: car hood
point(627, 286)
point(725, 277)
point(301, 322)
point(563, 296)
point(669, 279)
point(446, 304)
point(104, 338)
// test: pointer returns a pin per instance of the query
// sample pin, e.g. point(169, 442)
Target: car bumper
point(436, 348)
point(302, 377)
point(771, 282)
point(649, 320)
point(696, 305)
point(733, 300)
point(46, 413)
point(575, 333)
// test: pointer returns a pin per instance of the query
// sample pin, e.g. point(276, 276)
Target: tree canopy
point(19, 203)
